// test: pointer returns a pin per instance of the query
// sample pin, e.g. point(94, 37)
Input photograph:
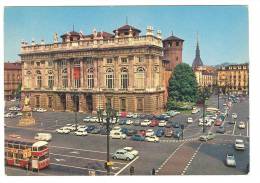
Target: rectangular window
point(141, 59)
point(50, 63)
point(38, 64)
point(177, 43)
point(65, 81)
point(109, 81)
point(50, 101)
point(139, 104)
point(123, 60)
point(37, 102)
point(76, 75)
point(90, 80)
point(50, 81)
point(109, 61)
point(123, 104)
point(39, 81)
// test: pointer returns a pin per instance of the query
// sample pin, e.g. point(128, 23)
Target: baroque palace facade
point(84, 72)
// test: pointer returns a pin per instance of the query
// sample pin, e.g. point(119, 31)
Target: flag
point(76, 73)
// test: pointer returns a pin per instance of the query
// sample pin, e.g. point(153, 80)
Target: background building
point(234, 78)
point(206, 76)
point(12, 79)
point(83, 72)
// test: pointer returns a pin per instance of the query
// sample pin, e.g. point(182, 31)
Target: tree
point(182, 86)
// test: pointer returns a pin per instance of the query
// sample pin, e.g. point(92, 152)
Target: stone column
point(69, 103)
point(82, 103)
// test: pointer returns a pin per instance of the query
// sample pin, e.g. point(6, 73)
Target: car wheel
point(114, 157)
point(127, 159)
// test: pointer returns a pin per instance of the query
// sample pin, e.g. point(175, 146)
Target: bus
point(25, 153)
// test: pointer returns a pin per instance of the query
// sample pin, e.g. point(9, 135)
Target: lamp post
point(110, 114)
point(76, 99)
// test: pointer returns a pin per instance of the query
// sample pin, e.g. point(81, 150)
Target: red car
point(141, 132)
point(154, 123)
point(218, 122)
point(123, 114)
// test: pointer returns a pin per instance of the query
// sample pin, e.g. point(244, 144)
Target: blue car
point(159, 132)
point(122, 122)
point(90, 128)
point(137, 137)
point(175, 125)
point(124, 130)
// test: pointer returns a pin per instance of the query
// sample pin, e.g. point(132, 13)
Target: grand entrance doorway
point(89, 102)
point(63, 101)
point(75, 99)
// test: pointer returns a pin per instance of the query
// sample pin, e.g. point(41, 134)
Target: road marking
point(193, 156)
point(82, 168)
point(170, 156)
point(84, 158)
point(234, 128)
point(60, 147)
point(126, 166)
point(58, 159)
point(74, 152)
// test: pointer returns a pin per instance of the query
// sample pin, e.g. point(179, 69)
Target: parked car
point(138, 137)
point(129, 122)
point(136, 123)
point(142, 132)
point(232, 122)
point(239, 144)
point(175, 124)
point(90, 128)
point(207, 137)
point(122, 122)
point(43, 136)
point(168, 125)
point(63, 130)
point(129, 115)
point(19, 114)
point(145, 122)
point(152, 138)
point(195, 110)
point(87, 119)
point(94, 119)
point(159, 132)
point(149, 132)
point(241, 125)
point(230, 160)
point(162, 123)
point(221, 129)
point(168, 132)
point(154, 123)
point(81, 132)
point(135, 115)
point(116, 129)
point(177, 133)
point(131, 132)
point(95, 131)
point(41, 110)
point(234, 115)
point(190, 120)
point(117, 135)
point(123, 155)
point(131, 150)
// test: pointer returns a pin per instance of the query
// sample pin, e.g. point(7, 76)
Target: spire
point(197, 48)
point(197, 61)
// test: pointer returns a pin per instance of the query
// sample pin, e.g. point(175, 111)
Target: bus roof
point(40, 143)
point(212, 109)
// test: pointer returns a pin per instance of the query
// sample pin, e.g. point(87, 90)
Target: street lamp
point(110, 114)
point(76, 100)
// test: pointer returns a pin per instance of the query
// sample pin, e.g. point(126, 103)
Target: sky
point(222, 30)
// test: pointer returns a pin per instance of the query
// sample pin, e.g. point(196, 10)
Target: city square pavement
point(74, 155)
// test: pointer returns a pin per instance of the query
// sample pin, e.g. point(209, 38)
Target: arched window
point(64, 78)
point(50, 79)
point(90, 78)
point(39, 79)
point(139, 78)
point(110, 78)
point(124, 78)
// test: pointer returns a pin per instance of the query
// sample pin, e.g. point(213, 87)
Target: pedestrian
point(153, 171)
point(132, 170)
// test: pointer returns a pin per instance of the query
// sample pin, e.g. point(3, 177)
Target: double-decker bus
point(24, 153)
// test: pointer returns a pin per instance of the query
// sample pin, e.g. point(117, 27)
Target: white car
point(195, 110)
point(71, 128)
point(190, 120)
point(145, 122)
point(129, 115)
point(152, 138)
point(241, 125)
point(12, 108)
point(131, 150)
point(43, 136)
point(239, 144)
point(94, 119)
point(19, 114)
point(113, 121)
point(63, 130)
point(162, 123)
point(135, 115)
point(116, 129)
point(234, 115)
point(81, 132)
point(41, 110)
point(129, 122)
point(149, 133)
point(230, 160)
point(87, 119)
point(117, 135)
point(81, 127)
point(9, 115)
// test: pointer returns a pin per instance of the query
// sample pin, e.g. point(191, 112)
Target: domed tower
point(172, 51)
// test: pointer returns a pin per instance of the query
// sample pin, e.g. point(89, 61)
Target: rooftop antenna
point(197, 37)
point(126, 20)
point(73, 27)
point(172, 33)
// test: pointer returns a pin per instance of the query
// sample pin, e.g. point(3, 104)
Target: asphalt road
point(73, 155)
